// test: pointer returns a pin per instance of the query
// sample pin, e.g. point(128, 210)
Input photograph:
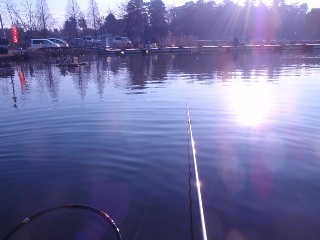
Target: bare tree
point(15, 16)
point(29, 14)
point(93, 16)
point(43, 17)
point(10, 7)
point(73, 10)
point(73, 14)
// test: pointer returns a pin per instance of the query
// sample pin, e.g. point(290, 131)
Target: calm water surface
point(113, 135)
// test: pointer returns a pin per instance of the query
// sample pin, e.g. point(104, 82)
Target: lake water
point(113, 135)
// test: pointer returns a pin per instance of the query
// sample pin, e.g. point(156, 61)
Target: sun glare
point(250, 104)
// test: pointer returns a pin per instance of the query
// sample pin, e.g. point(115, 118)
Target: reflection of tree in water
point(81, 81)
point(44, 78)
point(4, 88)
point(148, 68)
point(160, 67)
point(115, 63)
point(210, 67)
point(53, 84)
point(204, 67)
point(64, 71)
point(9, 90)
point(139, 71)
point(14, 94)
point(127, 71)
point(99, 77)
point(31, 70)
point(199, 67)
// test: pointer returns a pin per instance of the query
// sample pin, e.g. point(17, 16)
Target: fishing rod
point(203, 223)
point(67, 206)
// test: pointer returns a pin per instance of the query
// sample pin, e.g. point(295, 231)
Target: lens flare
point(251, 104)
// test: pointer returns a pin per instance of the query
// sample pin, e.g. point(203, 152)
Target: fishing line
point(190, 198)
point(67, 206)
point(203, 223)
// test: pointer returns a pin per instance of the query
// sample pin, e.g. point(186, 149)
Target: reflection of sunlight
point(251, 104)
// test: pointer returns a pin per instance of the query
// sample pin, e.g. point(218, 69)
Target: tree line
point(156, 22)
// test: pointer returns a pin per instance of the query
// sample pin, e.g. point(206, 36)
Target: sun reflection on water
point(251, 104)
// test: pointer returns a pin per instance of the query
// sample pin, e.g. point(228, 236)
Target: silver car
point(121, 42)
point(61, 42)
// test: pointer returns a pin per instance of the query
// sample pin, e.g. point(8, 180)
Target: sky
point(112, 4)
point(57, 7)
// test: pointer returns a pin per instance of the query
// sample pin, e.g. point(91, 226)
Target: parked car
point(75, 41)
point(121, 42)
point(61, 42)
point(43, 43)
point(88, 39)
point(97, 41)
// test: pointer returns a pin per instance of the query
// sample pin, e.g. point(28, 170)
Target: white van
point(43, 43)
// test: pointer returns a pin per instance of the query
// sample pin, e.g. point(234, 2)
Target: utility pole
point(4, 35)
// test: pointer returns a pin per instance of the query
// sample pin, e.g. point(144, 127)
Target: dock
point(46, 54)
point(296, 48)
